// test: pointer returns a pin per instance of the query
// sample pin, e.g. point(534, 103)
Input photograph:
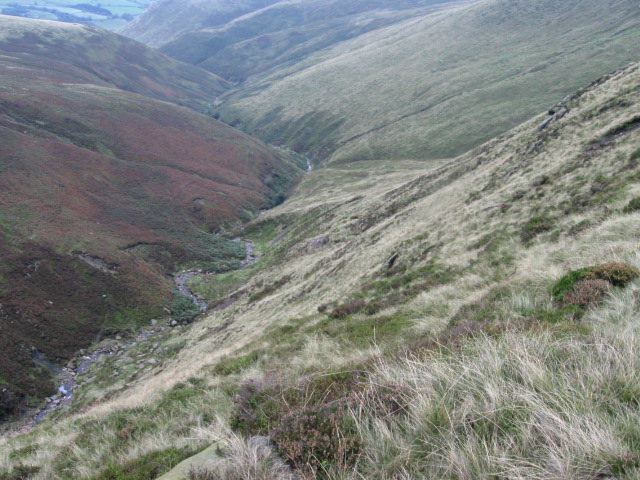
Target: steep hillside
point(437, 85)
point(105, 193)
point(405, 320)
point(73, 53)
point(287, 32)
point(166, 20)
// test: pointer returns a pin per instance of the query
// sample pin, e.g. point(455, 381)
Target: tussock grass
point(526, 404)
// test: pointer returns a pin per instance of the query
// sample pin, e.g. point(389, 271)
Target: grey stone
point(320, 242)
point(561, 113)
point(544, 124)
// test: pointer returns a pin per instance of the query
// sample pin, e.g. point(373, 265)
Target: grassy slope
point(524, 390)
point(86, 167)
point(416, 91)
point(284, 33)
point(165, 20)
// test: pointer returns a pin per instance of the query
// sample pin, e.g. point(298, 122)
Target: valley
point(318, 240)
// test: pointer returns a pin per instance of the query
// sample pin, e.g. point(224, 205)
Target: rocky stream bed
point(79, 365)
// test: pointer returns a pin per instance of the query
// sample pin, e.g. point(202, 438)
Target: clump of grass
point(493, 406)
point(148, 466)
point(632, 206)
point(534, 227)
point(229, 366)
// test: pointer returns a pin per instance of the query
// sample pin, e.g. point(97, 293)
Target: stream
point(69, 373)
point(182, 278)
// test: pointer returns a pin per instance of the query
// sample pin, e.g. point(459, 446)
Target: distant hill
point(107, 185)
point(284, 33)
point(166, 20)
point(344, 81)
point(437, 85)
point(102, 13)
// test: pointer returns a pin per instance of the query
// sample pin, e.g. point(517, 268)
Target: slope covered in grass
point(285, 33)
point(437, 85)
point(402, 323)
point(106, 188)
point(166, 20)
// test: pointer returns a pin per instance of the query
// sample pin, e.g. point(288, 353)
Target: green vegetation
point(183, 309)
point(632, 206)
point(534, 227)
point(20, 472)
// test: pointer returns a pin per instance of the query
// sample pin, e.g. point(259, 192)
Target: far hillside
point(342, 82)
point(108, 14)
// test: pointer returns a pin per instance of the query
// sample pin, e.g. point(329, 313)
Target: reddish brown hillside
point(135, 185)
point(73, 53)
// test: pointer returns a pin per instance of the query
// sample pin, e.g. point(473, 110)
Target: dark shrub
point(346, 309)
point(183, 309)
point(587, 293)
point(566, 283)
point(21, 472)
point(615, 273)
point(618, 274)
point(318, 437)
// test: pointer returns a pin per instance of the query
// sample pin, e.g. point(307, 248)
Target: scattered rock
point(318, 243)
point(561, 113)
point(544, 124)
point(154, 322)
point(152, 361)
point(174, 323)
